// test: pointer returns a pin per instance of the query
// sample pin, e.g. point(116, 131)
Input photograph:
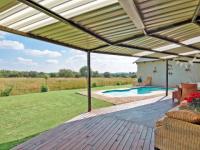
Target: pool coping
point(122, 100)
point(101, 92)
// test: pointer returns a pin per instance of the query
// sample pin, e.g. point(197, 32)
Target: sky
point(26, 54)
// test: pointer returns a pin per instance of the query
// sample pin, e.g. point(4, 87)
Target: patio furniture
point(187, 89)
point(148, 81)
point(177, 94)
point(183, 91)
point(176, 134)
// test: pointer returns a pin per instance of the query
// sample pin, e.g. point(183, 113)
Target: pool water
point(135, 91)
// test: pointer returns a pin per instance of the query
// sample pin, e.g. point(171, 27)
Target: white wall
point(179, 75)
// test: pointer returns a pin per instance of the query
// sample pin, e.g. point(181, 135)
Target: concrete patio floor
point(128, 126)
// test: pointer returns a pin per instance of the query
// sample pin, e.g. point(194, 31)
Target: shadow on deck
point(120, 129)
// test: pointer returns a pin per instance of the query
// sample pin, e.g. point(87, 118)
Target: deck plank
point(97, 130)
point(118, 136)
point(114, 129)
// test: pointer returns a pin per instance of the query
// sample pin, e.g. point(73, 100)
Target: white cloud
point(45, 53)
point(8, 44)
point(26, 61)
point(16, 45)
point(101, 62)
point(52, 61)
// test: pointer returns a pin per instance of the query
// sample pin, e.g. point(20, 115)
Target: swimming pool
point(134, 91)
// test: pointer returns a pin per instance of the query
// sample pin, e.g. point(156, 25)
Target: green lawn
point(24, 116)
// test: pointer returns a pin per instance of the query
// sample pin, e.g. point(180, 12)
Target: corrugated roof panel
point(67, 34)
point(183, 32)
point(118, 50)
point(117, 18)
point(180, 50)
point(159, 13)
point(159, 55)
point(148, 42)
point(106, 20)
point(6, 4)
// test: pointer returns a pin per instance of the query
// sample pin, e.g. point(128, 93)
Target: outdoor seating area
point(178, 126)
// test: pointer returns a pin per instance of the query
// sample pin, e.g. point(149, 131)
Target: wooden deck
point(125, 127)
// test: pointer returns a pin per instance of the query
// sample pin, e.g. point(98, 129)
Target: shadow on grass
point(11, 144)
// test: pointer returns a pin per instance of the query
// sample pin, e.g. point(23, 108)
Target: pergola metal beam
point(56, 16)
point(167, 76)
point(89, 81)
point(154, 31)
point(151, 50)
point(126, 55)
point(142, 49)
point(174, 41)
point(29, 35)
point(128, 6)
point(132, 11)
point(196, 12)
point(33, 36)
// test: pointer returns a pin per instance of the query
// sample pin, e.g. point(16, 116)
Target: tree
point(77, 75)
point(95, 74)
point(33, 74)
point(107, 74)
point(83, 71)
point(53, 75)
point(65, 73)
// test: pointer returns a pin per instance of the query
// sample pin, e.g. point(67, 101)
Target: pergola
point(158, 29)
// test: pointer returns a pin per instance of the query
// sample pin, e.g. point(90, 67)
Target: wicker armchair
point(173, 134)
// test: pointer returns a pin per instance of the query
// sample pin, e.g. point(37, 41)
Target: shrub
point(118, 83)
point(44, 88)
point(7, 91)
point(94, 84)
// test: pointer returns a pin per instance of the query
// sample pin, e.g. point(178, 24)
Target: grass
point(24, 116)
point(32, 85)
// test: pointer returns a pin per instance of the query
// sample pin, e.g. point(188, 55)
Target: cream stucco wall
point(179, 75)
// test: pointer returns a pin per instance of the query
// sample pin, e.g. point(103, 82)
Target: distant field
point(32, 85)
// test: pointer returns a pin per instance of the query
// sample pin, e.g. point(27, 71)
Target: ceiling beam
point(6, 29)
point(133, 13)
point(56, 16)
point(29, 35)
point(119, 43)
point(111, 53)
point(151, 50)
point(171, 26)
point(143, 49)
point(168, 39)
point(196, 13)
point(129, 7)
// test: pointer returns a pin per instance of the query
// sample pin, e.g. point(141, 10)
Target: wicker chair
point(173, 134)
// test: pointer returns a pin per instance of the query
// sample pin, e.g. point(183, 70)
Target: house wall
point(179, 74)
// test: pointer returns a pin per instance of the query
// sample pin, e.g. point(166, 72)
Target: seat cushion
point(185, 115)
